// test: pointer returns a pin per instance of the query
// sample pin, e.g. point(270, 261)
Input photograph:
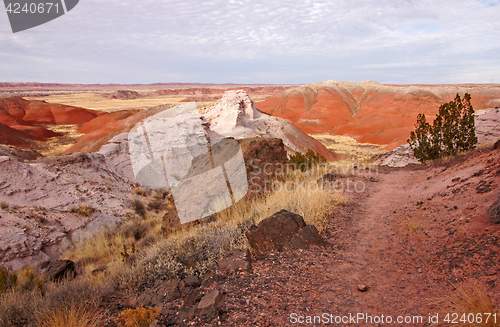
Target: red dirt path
point(371, 244)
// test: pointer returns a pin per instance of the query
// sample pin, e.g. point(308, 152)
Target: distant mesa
point(122, 95)
point(269, 89)
point(369, 111)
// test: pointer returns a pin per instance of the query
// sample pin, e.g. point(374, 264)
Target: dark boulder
point(282, 230)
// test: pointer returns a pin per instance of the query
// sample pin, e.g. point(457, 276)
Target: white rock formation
point(235, 116)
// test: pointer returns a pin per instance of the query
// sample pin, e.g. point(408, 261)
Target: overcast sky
point(259, 41)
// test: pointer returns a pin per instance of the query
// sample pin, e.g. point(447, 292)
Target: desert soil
point(406, 272)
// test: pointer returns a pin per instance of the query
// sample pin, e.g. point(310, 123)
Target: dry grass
point(106, 247)
point(347, 146)
point(74, 316)
point(412, 224)
point(96, 101)
point(199, 249)
point(59, 305)
point(138, 317)
point(56, 146)
point(471, 298)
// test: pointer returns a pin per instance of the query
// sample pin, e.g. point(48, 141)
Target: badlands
point(398, 239)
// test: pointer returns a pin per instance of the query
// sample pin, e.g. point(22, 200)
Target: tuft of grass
point(412, 224)
point(155, 204)
point(54, 306)
point(139, 191)
point(83, 210)
point(138, 207)
point(74, 316)
point(138, 317)
point(4, 205)
point(471, 298)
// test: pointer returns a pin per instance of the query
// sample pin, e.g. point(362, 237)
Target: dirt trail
point(371, 244)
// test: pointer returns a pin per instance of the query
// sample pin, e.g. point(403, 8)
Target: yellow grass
point(96, 101)
point(74, 316)
point(348, 146)
point(471, 298)
point(56, 146)
point(298, 193)
point(412, 224)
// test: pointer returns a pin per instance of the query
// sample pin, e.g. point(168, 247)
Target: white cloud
point(252, 41)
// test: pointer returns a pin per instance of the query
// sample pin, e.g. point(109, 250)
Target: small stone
point(192, 281)
point(362, 288)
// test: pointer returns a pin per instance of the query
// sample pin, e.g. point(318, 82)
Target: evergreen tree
point(452, 132)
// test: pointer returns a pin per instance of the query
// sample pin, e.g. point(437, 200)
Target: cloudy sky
point(259, 41)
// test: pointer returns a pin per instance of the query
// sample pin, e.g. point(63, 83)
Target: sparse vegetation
point(452, 132)
point(139, 191)
point(306, 161)
point(138, 207)
point(138, 252)
point(411, 224)
point(138, 317)
point(471, 298)
point(4, 205)
point(83, 210)
point(155, 204)
point(58, 305)
point(74, 316)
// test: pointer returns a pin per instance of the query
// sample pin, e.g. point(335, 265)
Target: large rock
point(280, 231)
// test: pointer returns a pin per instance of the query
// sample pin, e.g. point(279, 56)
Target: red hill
point(21, 120)
point(369, 111)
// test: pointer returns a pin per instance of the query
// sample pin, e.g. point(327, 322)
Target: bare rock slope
point(37, 198)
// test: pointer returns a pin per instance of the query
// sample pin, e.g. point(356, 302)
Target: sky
point(258, 41)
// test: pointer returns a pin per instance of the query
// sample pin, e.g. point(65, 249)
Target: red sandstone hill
point(20, 119)
point(369, 111)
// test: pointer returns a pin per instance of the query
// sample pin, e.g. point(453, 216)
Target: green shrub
point(307, 161)
point(453, 131)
